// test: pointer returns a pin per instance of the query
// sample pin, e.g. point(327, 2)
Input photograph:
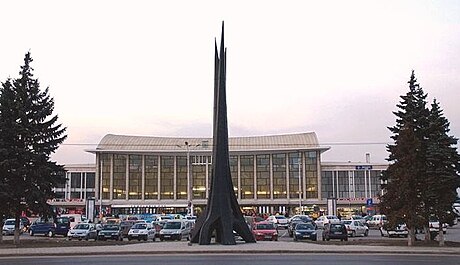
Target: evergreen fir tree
point(30, 135)
point(405, 177)
point(443, 168)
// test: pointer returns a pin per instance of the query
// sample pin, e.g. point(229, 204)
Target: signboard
point(364, 167)
point(369, 202)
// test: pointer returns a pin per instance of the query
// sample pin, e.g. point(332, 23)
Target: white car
point(278, 220)
point(8, 227)
point(397, 231)
point(83, 231)
point(326, 219)
point(377, 221)
point(434, 226)
point(142, 231)
point(355, 228)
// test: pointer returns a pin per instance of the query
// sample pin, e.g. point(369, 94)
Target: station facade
point(270, 174)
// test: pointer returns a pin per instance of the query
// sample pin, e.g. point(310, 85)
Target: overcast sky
point(336, 68)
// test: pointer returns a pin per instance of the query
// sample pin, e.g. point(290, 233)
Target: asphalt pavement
point(183, 247)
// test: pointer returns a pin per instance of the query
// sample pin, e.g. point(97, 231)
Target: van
point(377, 220)
point(73, 219)
point(176, 230)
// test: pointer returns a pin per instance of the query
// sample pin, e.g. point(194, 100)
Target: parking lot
point(374, 238)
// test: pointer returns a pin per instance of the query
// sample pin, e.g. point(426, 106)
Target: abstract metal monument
point(222, 214)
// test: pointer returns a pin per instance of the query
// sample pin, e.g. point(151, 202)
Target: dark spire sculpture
point(222, 214)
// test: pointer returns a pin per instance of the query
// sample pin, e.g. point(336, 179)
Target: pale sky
point(336, 68)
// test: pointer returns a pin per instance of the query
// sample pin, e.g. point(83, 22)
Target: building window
point(199, 181)
point(234, 173)
point(327, 189)
point(295, 189)
point(263, 176)
point(181, 178)
point(151, 177)
point(279, 176)
point(167, 177)
point(311, 172)
point(247, 176)
point(119, 177)
point(105, 168)
point(90, 180)
point(135, 177)
point(75, 180)
point(343, 185)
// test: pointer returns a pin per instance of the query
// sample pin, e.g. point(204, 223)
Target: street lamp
point(189, 179)
point(300, 183)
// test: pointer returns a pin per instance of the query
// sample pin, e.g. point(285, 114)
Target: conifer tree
point(30, 134)
point(405, 177)
point(443, 165)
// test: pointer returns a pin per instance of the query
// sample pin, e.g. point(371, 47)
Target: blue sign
point(368, 167)
point(369, 202)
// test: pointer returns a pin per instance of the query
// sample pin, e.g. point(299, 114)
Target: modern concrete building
point(278, 173)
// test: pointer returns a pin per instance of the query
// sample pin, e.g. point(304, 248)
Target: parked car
point(304, 231)
point(83, 231)
point(176, 230)
point(50, 227)
point(356, 228)
point(142, 231)
point(324, 220)
point(278, 220)
point(377, 221)
point(357, 218)
point(126, 225)
point(434, 225)
point(399, 230)
point(265, 231)
point(335, 231)
point(296, 219)
point(8, 227)
point(110, 231)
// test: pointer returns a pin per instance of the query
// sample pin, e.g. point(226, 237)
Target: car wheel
point(153, 239)
point(346, 239)
point(86, 238)
point(366, 233)
point(120, 238)
point(295, 238)
point(327, 239)
point(353, 233)
point(50, 234)
point(313, 239)
point(129, 238)
point(31, 233)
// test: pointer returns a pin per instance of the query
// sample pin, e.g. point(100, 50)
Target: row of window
point(166, 177)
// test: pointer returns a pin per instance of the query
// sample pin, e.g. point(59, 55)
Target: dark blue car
point(49, 227)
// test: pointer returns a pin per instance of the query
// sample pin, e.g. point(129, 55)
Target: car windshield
point(265, 226)
point(82, 226)
point(172, 225)
point(110, 227)
point(9, 222)
point(304, 227)
point(347, 222)
point(139, 226)
point(335, 228)
point(62, 220)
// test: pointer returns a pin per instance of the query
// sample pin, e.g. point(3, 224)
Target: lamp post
point(189, 178)
point(100, 189)
point(300, 183)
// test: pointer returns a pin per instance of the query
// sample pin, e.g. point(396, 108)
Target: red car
point(265, 231)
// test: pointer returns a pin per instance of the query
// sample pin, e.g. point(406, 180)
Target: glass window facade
point(247, 176)
point(311, 171)
point(181, 179)
point(234, 173)
point(151, 177)
point(90, 180)
point(199, 180)
point(106, 165)
point(263, 176)
point(119, 176)
point(135, 177)
point(166, 177)
point(75, 180)
point(279, 176)
point(295, 175)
